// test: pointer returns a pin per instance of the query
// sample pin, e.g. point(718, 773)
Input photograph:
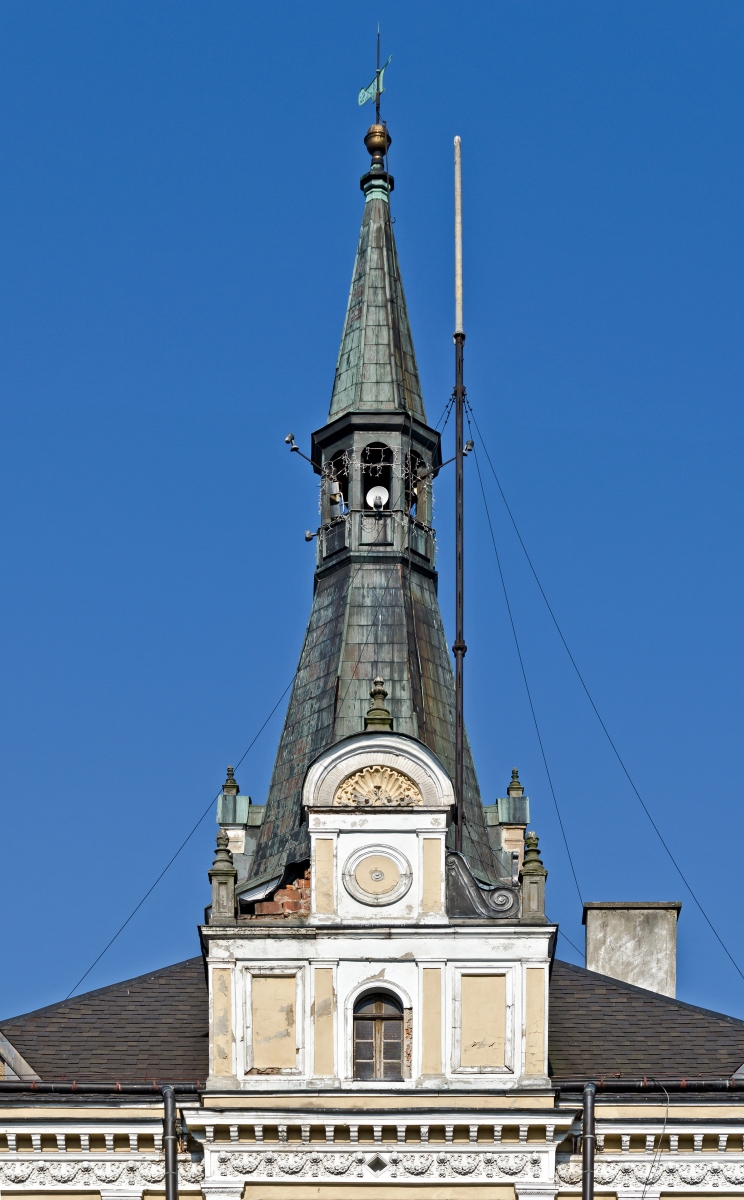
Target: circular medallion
point(377, 875)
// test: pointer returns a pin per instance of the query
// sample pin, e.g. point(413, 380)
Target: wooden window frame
point(378, 1023)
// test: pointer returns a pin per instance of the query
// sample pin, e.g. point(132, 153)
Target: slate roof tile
point(155, 1027)
point(602, 1027)
point(152, 1027)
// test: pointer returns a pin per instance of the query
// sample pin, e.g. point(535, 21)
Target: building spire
point(376, 369)
point(375, 611)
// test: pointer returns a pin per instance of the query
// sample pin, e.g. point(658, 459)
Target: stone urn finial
point(230, 787)
point(378, 717)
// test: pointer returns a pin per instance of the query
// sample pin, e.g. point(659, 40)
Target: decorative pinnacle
point(223, 859)
point(230, 787)
point(532, 864)
point(378, 717)
point(515, 788)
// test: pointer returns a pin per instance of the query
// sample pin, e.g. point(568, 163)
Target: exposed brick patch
point(290, 901)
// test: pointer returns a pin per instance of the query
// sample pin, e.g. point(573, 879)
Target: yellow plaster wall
point(222, 1021)
point(361, 1101)
point(680, 1111)
point(274, 1022)
point(323, 1007)
point(148, 1112)
point(534, 1024)
point(431, 1021)
point(324, 899)
point(483, 1020)
point(89, 1195)
point(431, 895)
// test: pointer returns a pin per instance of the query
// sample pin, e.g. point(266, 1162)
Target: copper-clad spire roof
point(376, 369)
point(375, 610)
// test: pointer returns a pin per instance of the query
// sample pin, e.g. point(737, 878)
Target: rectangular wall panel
point(483, 1021)
point(323, 1022)
point(222, 1021)
point(431, 1021)
point(431, 893)
point(274, 1022)
point(534, 1054)
point(324, 898)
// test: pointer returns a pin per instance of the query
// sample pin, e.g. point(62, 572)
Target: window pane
point(364, 1070)
point(377, 1004)
point(364, 1030)
point(391, 1070)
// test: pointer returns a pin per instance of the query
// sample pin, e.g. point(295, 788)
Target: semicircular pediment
point(377, 771)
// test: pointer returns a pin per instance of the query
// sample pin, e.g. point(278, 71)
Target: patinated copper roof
point(372, 614)
point(376, 369)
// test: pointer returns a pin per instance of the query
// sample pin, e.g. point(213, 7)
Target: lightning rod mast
point(459, 647)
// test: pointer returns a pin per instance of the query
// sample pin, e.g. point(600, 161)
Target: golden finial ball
point(377, 139)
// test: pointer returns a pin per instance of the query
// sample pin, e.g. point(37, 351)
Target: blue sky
point(179, 208)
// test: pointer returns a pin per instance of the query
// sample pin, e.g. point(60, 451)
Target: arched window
point(418, 488)
point(336, 487)
point(378, 1037)
point(377, 462)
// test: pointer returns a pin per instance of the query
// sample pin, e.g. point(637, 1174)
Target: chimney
point(635, 941)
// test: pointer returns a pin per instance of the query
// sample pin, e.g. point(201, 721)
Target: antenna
point(459, 647)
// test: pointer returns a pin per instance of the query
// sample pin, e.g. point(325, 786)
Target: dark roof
point(151, 1027)
point(391, 613)
point(600, 1026)
point(155, 1027)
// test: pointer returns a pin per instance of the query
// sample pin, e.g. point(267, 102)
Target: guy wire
point(524, 672)
point(212, 802)
point(615, 750)
point(180, 848)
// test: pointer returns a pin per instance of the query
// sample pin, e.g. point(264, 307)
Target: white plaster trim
point(354, 1161)
point(658, 1173)
point(374, 984)
point(384, 750)
point(62, 1172)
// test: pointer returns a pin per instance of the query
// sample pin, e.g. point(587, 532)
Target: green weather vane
point(375, 88)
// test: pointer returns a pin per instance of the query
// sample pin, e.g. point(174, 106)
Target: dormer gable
point(378, 807)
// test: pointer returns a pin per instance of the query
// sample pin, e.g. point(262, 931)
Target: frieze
point(443, 1165)
point(669, 1175)
point(61, 1172)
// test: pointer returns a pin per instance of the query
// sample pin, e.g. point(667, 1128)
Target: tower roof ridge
point(376, 369)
